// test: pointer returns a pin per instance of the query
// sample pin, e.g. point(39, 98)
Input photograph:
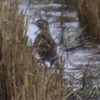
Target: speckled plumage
point(44, 43)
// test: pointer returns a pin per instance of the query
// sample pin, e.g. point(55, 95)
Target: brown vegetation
point(89, 14)
point(21, 77)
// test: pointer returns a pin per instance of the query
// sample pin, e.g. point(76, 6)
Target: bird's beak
point(33, 22)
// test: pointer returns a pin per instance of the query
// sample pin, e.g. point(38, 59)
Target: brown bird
point(45, 44)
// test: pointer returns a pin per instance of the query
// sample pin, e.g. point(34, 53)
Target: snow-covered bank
point(81, 57)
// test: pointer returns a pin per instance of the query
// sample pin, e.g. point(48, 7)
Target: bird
point(44, 43)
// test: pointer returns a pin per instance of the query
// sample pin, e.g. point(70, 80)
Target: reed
point(21, 76)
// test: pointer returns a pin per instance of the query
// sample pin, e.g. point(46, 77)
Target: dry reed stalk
point(22, 77)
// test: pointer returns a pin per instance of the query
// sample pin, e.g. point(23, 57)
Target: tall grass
point(21, 76)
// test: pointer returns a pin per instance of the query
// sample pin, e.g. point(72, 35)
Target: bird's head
point(42, 24)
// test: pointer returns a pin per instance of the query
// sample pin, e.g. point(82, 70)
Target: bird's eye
point(41, 23)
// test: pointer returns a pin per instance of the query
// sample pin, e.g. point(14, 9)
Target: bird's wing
point(44, 39)
point(48, 38)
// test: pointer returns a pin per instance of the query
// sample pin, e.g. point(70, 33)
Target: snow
point(74, 58)
point(31, 31)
